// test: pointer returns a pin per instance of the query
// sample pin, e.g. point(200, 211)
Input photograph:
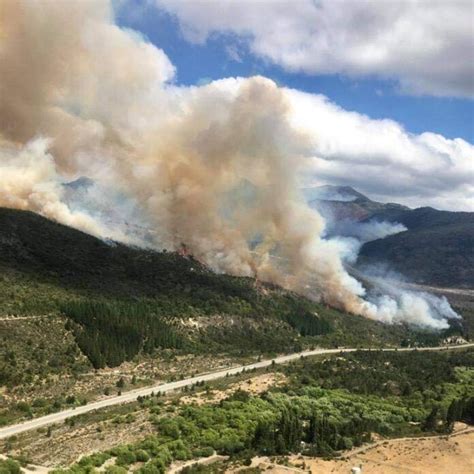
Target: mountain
point(82, 182)
point(332, 193)
point(343, 202)
point(437, 247)
point(121, 302)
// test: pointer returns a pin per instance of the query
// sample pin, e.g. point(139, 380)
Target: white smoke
point(366, 231)
point(168, 158)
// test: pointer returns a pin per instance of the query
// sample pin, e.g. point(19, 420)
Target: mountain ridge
point(122, 300)
point(437, 247)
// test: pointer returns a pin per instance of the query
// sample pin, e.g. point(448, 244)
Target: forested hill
point(33, 244)
point(436, 249)
point(122, 301)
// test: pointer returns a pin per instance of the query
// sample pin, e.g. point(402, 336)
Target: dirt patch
point(65, 445)
point(254, 385)
point(435, 456)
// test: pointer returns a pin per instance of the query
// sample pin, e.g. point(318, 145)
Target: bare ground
point(436, 455)
point(255, 385)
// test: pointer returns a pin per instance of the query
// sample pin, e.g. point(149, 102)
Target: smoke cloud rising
point(214, 167)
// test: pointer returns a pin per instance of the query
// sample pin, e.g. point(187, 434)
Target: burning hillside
point(215, 167)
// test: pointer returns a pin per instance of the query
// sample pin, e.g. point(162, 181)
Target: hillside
point(123, 301)
point(337, 203)
point(436, 249)
point(72, 307)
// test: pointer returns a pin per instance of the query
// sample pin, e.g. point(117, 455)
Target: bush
point(95, 460)
point(23, 406)
point(141, 455)
point(203, 452)
point(115, 470)
point(125, 458)
point(9, 466)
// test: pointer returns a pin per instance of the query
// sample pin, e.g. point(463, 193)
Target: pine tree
point(431, 420)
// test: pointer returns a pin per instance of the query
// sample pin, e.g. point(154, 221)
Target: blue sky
point(198, 62)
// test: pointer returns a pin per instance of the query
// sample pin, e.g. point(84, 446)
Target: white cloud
point(382, 159)
point(427, 46)
point(172, 156)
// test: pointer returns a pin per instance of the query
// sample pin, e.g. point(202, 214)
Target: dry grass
point(438, 455)
point(253, 385)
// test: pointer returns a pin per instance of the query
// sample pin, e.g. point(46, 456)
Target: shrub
point(9, 466)
point(115, 470)
point(141, 455)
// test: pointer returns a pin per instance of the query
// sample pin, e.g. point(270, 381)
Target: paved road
point(167, 387)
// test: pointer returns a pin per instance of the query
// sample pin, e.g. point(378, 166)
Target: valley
point(132, 395)
point(390, 403)
point(105, 344)
point(236, 237)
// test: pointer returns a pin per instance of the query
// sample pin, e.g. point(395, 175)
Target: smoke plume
point(213, 167)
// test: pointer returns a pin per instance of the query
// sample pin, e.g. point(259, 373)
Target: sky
point(394, 78)
point(221, 51)
point(379, 93)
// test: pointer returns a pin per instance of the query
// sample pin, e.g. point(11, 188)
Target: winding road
point(132, 395)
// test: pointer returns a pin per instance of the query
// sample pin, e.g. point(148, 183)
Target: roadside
point(132, 395)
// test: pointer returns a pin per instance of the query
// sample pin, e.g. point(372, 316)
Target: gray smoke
point(167, 162)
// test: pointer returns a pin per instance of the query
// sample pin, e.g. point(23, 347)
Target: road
point(132, 395)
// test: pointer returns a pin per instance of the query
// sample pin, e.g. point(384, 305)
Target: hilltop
point(336, 203)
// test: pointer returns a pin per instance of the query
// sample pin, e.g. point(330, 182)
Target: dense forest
point(111, 332)
point(327, 405)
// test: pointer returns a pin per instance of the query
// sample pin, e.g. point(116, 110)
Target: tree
point(431, 421)
point(453, 414)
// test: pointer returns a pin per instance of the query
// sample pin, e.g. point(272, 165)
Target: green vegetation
point(122, 302)
point(91, 304)
point(328, 405)
point(36, 349)
point(110, 333)
point(214, 468)
point(307, 324)
point(383, 373)
point(9, 466)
